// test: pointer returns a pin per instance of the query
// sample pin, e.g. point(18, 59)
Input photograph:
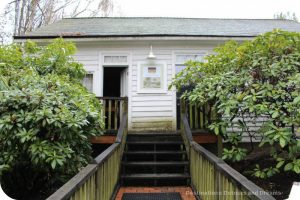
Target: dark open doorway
point(112, 81)
point(115, 91)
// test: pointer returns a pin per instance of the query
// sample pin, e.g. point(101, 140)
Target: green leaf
point(297, 100)
point(288, 167)
point(53, 164)
point(297, 169)
point(269, 173)
point(279, 164)
point(60, 162)
point(275, 114)
point(263, 175)
point(216, 129)
point(282, 142)
point(257, 173)
point(238, 157)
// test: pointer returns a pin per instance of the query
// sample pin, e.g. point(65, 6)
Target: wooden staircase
point(154, 160)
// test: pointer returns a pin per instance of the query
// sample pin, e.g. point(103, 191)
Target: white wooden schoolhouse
point(137, 57)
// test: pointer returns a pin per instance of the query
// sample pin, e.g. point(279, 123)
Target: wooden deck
point(200, 138)
point(104, 139)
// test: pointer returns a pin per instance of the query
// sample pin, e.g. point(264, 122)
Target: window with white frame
point(115, 60)
point(88, 81)
point(152, 77)
point(181, 59)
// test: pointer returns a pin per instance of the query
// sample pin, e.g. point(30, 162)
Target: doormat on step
point(152, 196)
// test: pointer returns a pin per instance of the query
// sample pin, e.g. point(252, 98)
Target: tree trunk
point(21, 20)
point(17, 11)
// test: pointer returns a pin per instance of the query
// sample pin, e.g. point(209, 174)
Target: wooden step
point(155, 176)
point(154, 160)
point(137, 139)
point(157, 163)
point(154, 134)
point(153, 152)
point(154, 142)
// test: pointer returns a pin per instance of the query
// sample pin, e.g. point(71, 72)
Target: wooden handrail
point(101, 158)
point(68, 189)
point(99, 179)
point(113, 98)
point(187, 129)
point(121, 129)
point(212, 178)
point(186, 133)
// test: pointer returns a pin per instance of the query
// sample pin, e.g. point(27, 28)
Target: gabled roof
point(159, 26)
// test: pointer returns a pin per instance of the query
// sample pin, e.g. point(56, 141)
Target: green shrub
point(46, 116)
point(247, 81)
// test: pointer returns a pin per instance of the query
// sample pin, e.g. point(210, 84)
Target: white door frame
point(102, 65)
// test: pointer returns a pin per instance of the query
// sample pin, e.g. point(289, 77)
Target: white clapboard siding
point(87, 58)
point(90, 60)
point(151, 119)
point(152, 104)
point(134, 88)
point(152, 114)
point(253, 124)
point(147, 97)
point(149, 126)
point(155, 112)
point(151, 109)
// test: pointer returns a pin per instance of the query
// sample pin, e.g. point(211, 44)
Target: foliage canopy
point(46, 115)
point(253, 83)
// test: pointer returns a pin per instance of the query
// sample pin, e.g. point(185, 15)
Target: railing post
point(182, 110)
point(217, 178)
point(213, 118)
point(182, 106)
point(125, 107)
point(109, 114)
point(220, 146)
point(103, 110)
point(116, 110)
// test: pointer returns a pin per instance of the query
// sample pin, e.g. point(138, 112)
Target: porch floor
point(185, 192)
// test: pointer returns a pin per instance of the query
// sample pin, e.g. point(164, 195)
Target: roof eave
point(134, 37)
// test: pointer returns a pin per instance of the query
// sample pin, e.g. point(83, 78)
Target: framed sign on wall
point(152, 78)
